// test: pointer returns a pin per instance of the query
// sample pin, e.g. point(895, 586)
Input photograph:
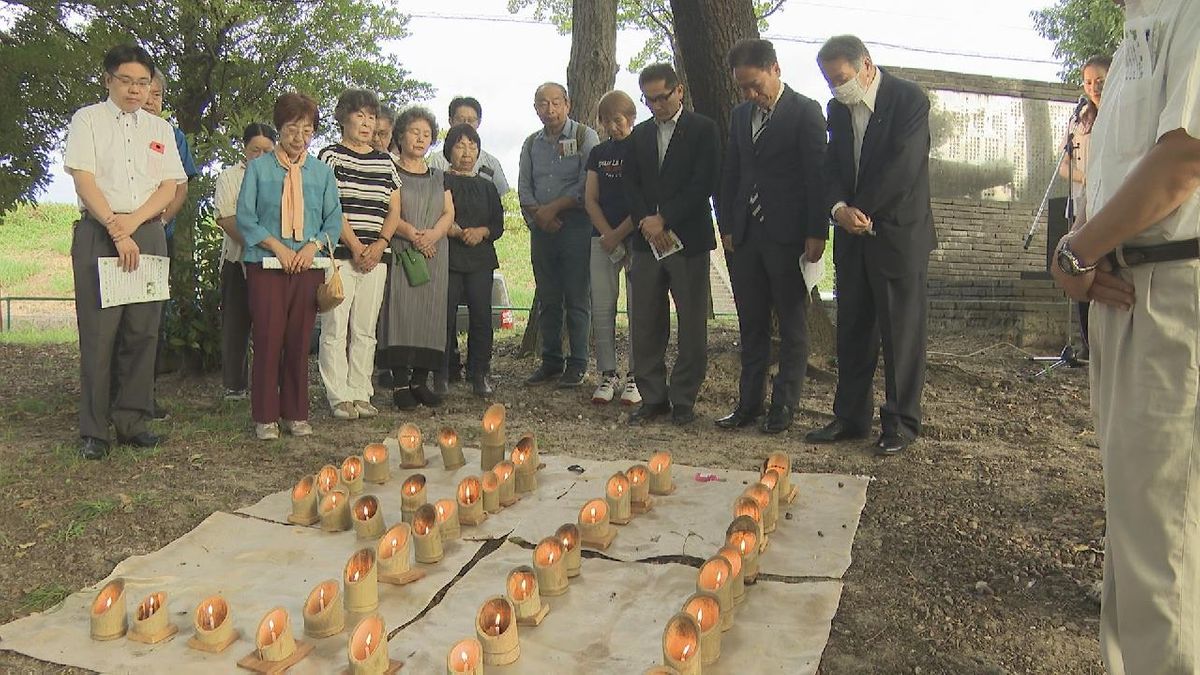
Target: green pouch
point(415, 267)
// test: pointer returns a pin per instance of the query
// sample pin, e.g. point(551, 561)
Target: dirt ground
point(976, 552)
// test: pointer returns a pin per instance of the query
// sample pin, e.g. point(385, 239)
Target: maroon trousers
point(283, 309)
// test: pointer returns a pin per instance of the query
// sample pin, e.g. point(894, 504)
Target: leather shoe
point(93, 448)
point(682, 415)
point(778, 420)
point(143, 440)
point(740, 417)
point(891, 444)
point(837, 430)
point(481, 385)
point(646, 412)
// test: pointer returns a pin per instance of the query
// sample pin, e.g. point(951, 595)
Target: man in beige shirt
point(126, 167)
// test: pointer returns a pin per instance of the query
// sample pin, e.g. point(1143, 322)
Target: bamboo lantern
point(451, 447)
point(470, 501)
point(465, 658)
point(328, 480)
point(525, 594)
point(616, 493)
point(762, 494)
point(770, 480)
point(447, 518)
point(594, 528)
point(412, 496)
point(738, 587)
point(491, 492)
point(496, 628)
point(781, 462)
point(375, 463)
point(505, 471)
point(109, 620)
point(705, 608)
point(368, 521)
point(352, 475)
point(304, 502)
point(660, 473)
point(335, 511)
point(412, 447)
point(681, 644)
point(273, 639)
point(568, 534)
point(524, 462)
point(323, 615)
point(742, 535)
point(151, 620)
point(427, 538)
point(213, 624)
point(361, 581)
point(393, 556)
point(491, 444)
point(716, 577)
point(549, 563)
point(367, 650)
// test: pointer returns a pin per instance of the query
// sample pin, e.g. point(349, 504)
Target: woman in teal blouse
point(287, 208)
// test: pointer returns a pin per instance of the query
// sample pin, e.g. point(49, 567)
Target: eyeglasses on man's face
point(129, 82)
point(659, 99)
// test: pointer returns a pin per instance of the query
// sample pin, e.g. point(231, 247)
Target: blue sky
point(475, 47)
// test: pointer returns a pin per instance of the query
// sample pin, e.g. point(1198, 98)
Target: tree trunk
point(592, 70)
point(705, 30)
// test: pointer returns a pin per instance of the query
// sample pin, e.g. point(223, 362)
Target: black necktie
point(755, 206)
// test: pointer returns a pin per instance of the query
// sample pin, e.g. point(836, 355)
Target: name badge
point(568, 148)
point(158, 147)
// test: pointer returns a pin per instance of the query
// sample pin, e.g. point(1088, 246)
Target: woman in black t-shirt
point(479, 222)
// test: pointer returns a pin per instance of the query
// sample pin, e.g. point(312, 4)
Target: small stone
point(820, 533)
point(983, 588)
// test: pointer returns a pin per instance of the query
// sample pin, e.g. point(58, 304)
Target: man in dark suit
point(877, 169)
point(670, 177)
point(772, 213)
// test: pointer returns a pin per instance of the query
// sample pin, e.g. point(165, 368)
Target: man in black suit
point(670, 177)
point(877, 169)
point(772, 213)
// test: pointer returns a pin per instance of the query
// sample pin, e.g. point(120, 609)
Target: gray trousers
point(686, 281)
point(116, 345)
point(606, 290)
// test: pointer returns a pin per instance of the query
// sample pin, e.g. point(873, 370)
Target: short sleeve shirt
point(130, 154)
point(1152, 89)
point(608, 161)
point(225, 197)
point(365, 183)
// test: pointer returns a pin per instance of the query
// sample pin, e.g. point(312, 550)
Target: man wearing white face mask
point(877, 173)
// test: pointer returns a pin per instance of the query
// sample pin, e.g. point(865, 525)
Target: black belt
point(1130, 256)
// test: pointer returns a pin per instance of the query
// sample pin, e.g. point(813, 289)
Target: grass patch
point(39, 336)
point(13, 271)
point(43, 598)
point(36, 228)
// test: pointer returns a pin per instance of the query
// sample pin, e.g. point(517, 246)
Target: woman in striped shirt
point(368, 187)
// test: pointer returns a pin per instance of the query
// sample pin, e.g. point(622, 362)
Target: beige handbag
point(330, 294)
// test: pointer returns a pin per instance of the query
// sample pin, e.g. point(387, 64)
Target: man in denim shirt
point(552, 176)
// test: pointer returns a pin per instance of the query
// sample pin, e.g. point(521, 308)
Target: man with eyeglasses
point(468, 110)
point(671, 173)
point(126, 170)
point(550, 186)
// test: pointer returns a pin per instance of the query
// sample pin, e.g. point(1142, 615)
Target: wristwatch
point(1070, 263)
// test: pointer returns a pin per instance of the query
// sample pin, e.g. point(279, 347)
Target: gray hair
point(412, 114)
point(560, 87)
point(157, 76)
point(844, 47)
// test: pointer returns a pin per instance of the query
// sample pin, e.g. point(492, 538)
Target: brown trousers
point(283, 309)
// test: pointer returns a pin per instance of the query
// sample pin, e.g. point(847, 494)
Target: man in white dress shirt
point(126, 167)
point(1136, 257)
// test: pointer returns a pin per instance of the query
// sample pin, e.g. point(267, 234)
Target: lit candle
point(352, 475)
point(681, 644)
point(508, 487)
point(109, 620)
point(273, 639)
point(335, 511)
point(549, 563)
point(151, 620)
point(770, 480)
point(328, 479)
point(427, 538)
point(594, 529)
point(491, 492)
point(716, 577)
point(368, 521)
point(412, 496)
point(447, 518)
point(523, 589)
point(763, 495)
point(660, 473)
point(742, 534)
point(375, 459)
point(568, 534)
point(491, 444)
point(392, 550)
point(496, 628)
point(705, 608)
point(470, 501)
point(361, 582)
point(738, 585)
point(616, 493)
point(745, 505)
point(367, 650)
point(639, 483)
point(323, 614)
point(304, 502)
point(526, 470)
point(781, 462)
point(528, 443)
point(214, 628)
point(452, 454)
point(412, 447)
point(465, 657)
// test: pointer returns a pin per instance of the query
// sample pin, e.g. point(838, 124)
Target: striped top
point(365, 184)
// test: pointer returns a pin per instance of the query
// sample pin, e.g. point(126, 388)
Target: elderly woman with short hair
point(413, 327)
point(287, 208)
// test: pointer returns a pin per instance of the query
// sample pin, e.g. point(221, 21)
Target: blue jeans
point(561, 272)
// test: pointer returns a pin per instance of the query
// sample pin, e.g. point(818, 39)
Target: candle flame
point(593, 514)
point(212, 622)
point(463, 655)
point(395, 545)
point(523, 583)
point(108, 602)
point(366, 512)
point(700, 615)
point(368, 641)
point(441, 510)
point(271, 628)
point(356, 575)
point(497, 623)
point(321, 599)
point(687, 649)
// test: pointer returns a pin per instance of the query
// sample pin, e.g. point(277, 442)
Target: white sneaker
point(365, 409)
point(607, 389)
point(266, 432)
point(346, 410)
point(631, 395)
point(298, 427)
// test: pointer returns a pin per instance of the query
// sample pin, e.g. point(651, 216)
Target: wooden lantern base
point(601, 543)
point(642, 507)
point(303, 520)
point(422, 465)
point(403, 578)
point(393, 667)
point(252, 662)
point(213, 647)
point(790, 496)
point(502, 658)
point(536, 619)
point(166, 633)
